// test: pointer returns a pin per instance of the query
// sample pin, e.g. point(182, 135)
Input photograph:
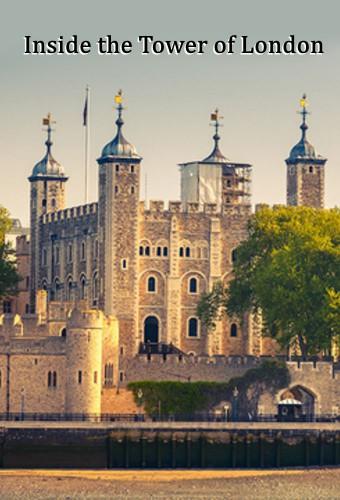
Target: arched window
point(147, 251)
point(63, 333)
point(82, 288)
point(108, 374)
point(83, 251)
point(141, 250)
point(95, 289)
point(181, 252)
point(159, 251)
point(96, 249)
point(49, 379)
point(165, 251)
point(54, 379)
point(151, 284)
point(310, 169)
point(187, 252)
point(193, 285)
point(57, 289)
point(69, 288)
point(56, 255)
point(193, 327)
point(44, 257)
point(70, 253)
point(233, 330)
point(234, 255)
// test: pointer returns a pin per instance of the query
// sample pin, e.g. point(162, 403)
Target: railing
point(141, 417)
point(159, 348)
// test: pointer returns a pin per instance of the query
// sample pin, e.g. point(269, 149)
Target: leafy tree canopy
point(289, 269)
point(9, 277)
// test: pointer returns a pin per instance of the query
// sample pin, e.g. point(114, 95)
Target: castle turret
point(119, 184)
point(84, 345)
point(47, 195)
point(305, 170)
point(216, 179)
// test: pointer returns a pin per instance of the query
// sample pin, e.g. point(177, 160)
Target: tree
point(9, 277)
point(289, 269)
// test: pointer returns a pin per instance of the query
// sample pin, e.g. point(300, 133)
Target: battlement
point(178, 207)
point(70, 213)
point(22, 245)
point(85, 319)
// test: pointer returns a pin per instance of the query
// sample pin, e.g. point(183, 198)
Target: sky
point(168, 98)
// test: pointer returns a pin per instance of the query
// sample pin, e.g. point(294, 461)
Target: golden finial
point(303, 101)
point(119, 97)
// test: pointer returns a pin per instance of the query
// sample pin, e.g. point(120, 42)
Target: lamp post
point(235, 403)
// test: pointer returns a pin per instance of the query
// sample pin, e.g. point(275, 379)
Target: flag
point(85, 111)
point(46, 121)
point(213, 117)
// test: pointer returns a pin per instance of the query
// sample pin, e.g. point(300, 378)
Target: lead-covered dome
point(48, 166)
point(303, 149)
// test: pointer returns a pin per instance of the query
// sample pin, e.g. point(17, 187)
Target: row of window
point(152, 285)
point(69, 253)
point(119, 167)
point(71, 286)
point(132, 189)
point(193, 328)
point(162, 251)
point(310, 169)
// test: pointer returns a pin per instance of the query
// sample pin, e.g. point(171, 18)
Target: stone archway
point(151, 330)
point(304, 395)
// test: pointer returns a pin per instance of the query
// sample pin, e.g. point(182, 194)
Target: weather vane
point(216, 117)
point(48, 120)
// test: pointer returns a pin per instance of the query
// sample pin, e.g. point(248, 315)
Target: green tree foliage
point(9, 277)
point(186, 398)
point(289, 269)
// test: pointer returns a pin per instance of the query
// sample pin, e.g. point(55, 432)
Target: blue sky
point(168, 98)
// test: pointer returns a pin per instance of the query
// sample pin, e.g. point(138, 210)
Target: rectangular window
point(80, 377)
point(95, 377)
point(7, 307)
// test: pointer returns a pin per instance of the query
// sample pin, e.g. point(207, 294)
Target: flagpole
point(87, 144)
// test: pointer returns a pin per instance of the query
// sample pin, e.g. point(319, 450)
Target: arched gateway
point(151, 330)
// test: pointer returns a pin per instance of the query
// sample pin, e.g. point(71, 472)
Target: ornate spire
point(303, 113)
point(216, 156)
point(119, 108)
point(303, 149)
point(119, 147)
point(48, 166)
point(48, 122)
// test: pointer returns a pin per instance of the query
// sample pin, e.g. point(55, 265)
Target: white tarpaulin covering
point(201, 183)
